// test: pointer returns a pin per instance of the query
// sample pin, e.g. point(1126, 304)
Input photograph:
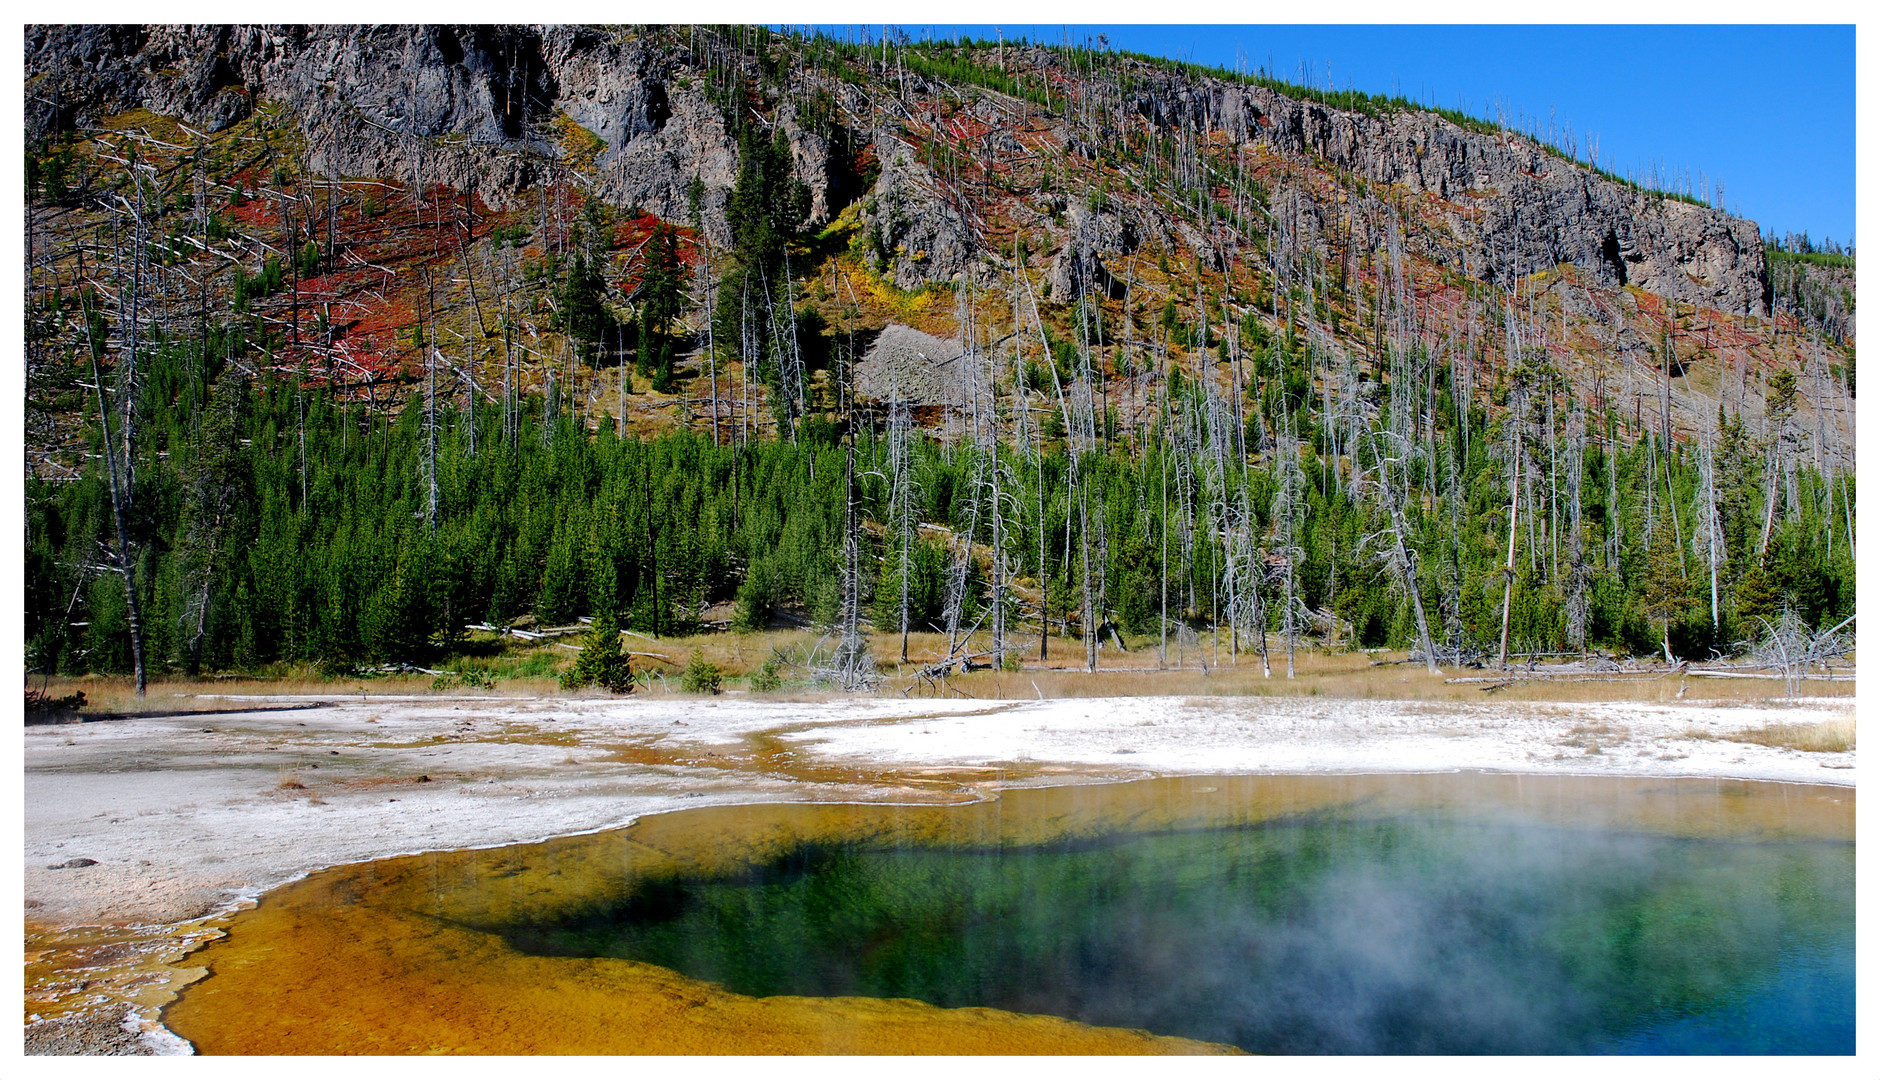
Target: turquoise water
point(1331, 933)
point(1806, 1006)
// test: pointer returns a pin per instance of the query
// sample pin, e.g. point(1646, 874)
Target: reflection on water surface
point(1427, 914)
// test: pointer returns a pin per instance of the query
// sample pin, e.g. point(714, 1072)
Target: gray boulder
point(910, 366)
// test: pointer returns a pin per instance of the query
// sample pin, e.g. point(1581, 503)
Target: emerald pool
point(1458, 913)
point(1331, 932)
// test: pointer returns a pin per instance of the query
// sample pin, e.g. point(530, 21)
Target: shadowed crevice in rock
point(1609, 251)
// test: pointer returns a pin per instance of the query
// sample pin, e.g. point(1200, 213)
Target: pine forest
point(352, 349)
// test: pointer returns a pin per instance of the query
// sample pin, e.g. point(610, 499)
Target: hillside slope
point(1325, 342)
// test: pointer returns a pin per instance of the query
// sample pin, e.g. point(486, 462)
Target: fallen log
point(1578, 676)
point(1815, 676)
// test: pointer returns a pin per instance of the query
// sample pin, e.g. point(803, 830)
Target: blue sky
point(1768, 110)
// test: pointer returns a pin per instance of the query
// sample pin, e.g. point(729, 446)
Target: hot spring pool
point(1456, 913)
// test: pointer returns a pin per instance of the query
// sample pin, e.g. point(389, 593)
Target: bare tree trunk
point(1671, 502)
point(1089, 616)
point(1403, 561)
point(466, 229)
point(1044, 566)
point(1614, 514)
point(124, 558)
point(1705, 506)
point(1576, 549)
point(1083, 501)
point(711, 343)
point(1769, 514)
point(430, 440)
point(900, 495)
point(1162, 468)
point(300, 410)
point(998, 535)
point(1514, 504)
point(1416, 592)
point(133, 335)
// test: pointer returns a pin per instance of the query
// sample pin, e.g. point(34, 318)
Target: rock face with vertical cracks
point(483, 107)
point(1515, 207)
point(926, 238)
point(1079, 267)
point(469, 106)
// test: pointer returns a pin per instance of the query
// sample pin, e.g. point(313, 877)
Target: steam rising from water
point(1329, 933)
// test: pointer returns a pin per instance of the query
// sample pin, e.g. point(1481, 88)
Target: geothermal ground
point(142, 832)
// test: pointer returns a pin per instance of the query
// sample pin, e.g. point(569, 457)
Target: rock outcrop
point(469, 106)
point(479, 107)
point(925, 238)
point(1079, 265)
point(1516, 207)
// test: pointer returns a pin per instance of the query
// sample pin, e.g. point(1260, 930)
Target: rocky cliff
point(478, 108)
point(472, 107)
point(1514, 206)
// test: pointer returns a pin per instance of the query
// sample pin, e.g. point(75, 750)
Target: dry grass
point(113, 695)
point(1139, 672)
point(1594, 736)
point(1825, 736)
point(108, 695)
point(1337, 675)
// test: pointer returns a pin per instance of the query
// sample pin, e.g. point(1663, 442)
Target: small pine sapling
point(601, 663)
point(701, 676)
point(766, 679)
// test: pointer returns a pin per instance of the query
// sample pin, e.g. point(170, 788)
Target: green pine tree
point(601, 663)
point(663, 292)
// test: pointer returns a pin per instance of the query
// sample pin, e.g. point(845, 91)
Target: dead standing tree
point(1707, 537)
point(901, 490)
point(1002, 486)
point(1790, 648)
point(1289, 505)
point(123, 558)
point(1516, 420)
point(1084, 422)
point(853, 666)
point(1240, 568)
point(1391, 542)
point(119, 453)
point(1026, 446)
point(985, 481)
point(1579, 572)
